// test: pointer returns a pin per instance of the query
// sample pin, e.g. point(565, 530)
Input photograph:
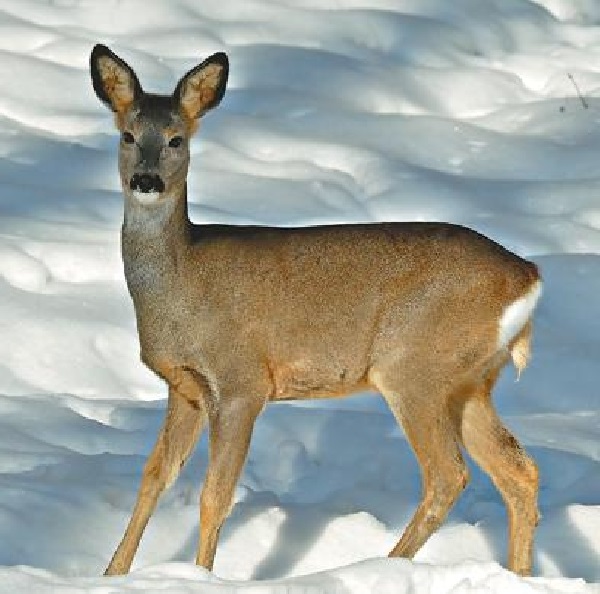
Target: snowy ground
point(337, 110)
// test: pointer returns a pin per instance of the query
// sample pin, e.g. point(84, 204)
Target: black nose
point(144, 182)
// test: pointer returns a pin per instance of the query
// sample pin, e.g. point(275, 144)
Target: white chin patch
point(146, 197)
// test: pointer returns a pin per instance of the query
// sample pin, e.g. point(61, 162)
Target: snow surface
point(481, 112)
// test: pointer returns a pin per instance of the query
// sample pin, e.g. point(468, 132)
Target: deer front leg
point(230, 433)
point(185, 418)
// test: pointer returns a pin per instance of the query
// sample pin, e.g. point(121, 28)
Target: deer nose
point(145, 182)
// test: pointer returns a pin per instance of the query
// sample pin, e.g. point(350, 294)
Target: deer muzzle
point(147, 183)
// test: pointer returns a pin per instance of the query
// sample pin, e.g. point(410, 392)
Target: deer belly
point(310, 379)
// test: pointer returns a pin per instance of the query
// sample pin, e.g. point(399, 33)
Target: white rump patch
point(146, 197)
point(515, 316)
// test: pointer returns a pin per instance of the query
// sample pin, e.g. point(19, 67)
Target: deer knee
point(530, 474)
point(445, 487)
point(529, 480)
point(153, 469)
point(460, 480)
point(214, 509)
point(520, 488)
point(523, 475)
point(162, 467)
point(441, 493)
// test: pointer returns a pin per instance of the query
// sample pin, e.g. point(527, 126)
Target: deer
point(233, 317)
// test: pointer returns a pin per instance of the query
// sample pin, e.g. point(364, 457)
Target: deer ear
point(115, 83)
point(203, 87)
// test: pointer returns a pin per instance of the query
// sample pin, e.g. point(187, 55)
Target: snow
point(479, 112)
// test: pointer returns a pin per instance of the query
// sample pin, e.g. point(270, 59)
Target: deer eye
point(128, 138)
point(175, 141)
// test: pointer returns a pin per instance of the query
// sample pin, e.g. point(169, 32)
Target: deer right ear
point(115, 83)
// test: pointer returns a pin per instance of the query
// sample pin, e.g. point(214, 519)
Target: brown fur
point(232, 317)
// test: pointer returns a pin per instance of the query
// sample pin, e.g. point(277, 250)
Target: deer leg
point(513, 472)
point(432, 435)
point(421, 410)
point(183, 423)
point(230, 433)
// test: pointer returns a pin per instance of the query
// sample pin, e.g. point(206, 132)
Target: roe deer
point(232, 317)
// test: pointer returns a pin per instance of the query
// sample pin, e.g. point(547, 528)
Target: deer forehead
point(154, 113)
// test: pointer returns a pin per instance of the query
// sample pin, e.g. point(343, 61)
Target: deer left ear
point(203, 87)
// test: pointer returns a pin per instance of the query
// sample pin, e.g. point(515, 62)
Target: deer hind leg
point(512, 471)
point(230, 433)
point(432, 435)
point(185, 418)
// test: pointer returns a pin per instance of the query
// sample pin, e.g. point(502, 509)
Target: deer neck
point(154, 242)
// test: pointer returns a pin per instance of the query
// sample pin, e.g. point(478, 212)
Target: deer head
point(156, 129)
